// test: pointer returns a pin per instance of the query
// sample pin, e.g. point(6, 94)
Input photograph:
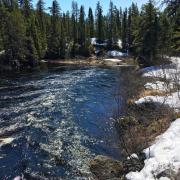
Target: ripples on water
point(60, 120)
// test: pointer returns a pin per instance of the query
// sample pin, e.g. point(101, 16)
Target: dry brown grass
point(147, 92)
point(141, 127)
point(152, 92)
point(139, 137)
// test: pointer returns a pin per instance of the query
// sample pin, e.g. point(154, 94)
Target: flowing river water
point(59, 120)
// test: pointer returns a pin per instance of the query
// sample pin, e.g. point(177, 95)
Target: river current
point(59, 119)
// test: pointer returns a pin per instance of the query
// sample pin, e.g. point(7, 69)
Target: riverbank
point(92, 61)
point(81, 61)
point(153, 111)
point(162, 156)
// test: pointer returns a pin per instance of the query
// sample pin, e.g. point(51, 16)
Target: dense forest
point(29, 34)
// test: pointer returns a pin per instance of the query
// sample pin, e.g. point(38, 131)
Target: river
point(60, 119)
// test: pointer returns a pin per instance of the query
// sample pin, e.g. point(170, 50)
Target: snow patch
point(116, 54)
point(135, 156)
point(170, 71)
point(164, 154)
point(119, 42)
point(113, 60)
point(172, 100)
point(159, 85)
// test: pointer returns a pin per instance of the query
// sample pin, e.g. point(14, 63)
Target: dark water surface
point(59, 119)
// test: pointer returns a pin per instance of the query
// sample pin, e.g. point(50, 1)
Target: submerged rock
point(106, 168)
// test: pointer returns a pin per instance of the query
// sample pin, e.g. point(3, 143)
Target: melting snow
point(170, 73)
point(164, 154)
point(116, 54)
point(113, 60)
point(159, 85)
point(172, 100)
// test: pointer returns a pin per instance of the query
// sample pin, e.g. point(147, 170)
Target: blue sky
point(66, 4)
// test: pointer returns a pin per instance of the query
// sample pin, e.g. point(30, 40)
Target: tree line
point(28, 34)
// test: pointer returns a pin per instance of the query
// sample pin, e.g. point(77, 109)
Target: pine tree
point(99, 22)
point(120, 19)
point(165, 34)
point(41, 27)
point(54, 37)
point(176, 41)
point(110, 23)
point(82, 26)
point(13, 33)
point(124, 30)
point(129, 28)
point(173, 6)
point(62, 44)
point(133, 26)
point(75, 17)
point(175, 19)
point(117, 25)
point(36, 37)
point(1, 27)
point(90, 23)
point(27, 8)
point(68, 27)
point(29, 34)
point(147, 38)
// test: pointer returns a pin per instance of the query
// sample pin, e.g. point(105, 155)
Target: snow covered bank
point(172, 100)
point(171, 76)
point(164, 154)
point(160, 85)
point(170, 72)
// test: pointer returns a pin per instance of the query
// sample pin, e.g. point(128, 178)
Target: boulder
point(104, 167)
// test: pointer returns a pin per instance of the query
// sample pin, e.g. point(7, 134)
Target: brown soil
point(91, 61)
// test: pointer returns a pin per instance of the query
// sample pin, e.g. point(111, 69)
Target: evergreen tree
point(110, 22)
point(147, 38)
point(75, 17)
point(13, 34)
point(124, 30)
point(165, 34)
point(68, 27)
point(41, 27)
point(175, 20)
point(54, 37)
point(120, 19)
point(133, 26)
point(99, 22)
point(90, 23)
point(26, 7)
point(29, 34)
point(82, 26)
point(117, 25)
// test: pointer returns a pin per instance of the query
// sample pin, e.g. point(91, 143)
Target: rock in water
point(106, 168)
